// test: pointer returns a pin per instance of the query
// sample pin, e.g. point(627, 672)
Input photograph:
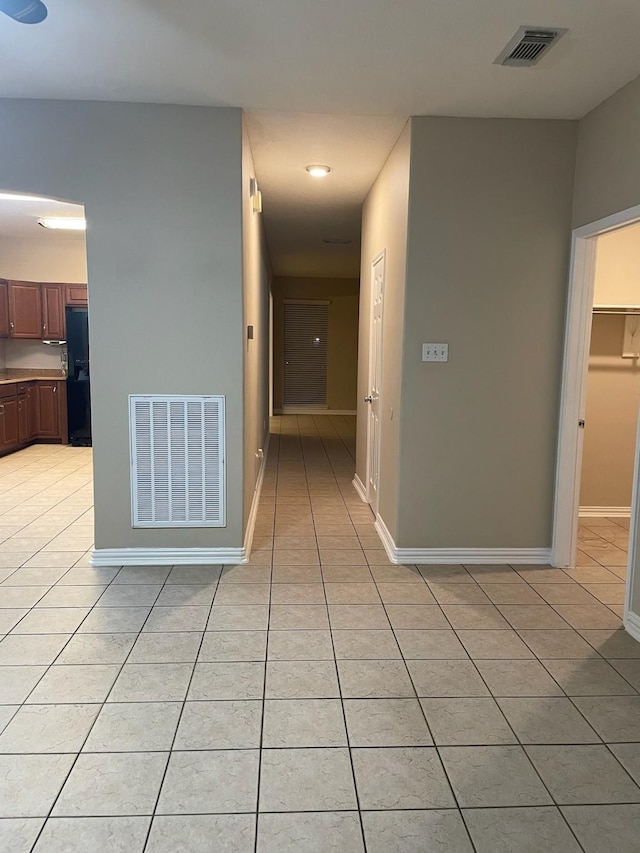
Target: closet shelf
point(622, 310)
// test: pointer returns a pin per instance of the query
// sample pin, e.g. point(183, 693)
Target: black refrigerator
point(78, 382)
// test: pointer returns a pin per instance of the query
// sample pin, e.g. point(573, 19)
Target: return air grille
point(528, 45)
point(177, 461)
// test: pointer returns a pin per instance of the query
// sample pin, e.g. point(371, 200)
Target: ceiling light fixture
point(22, 197)
point(63, 223)
point(317, 171)
point(24, 11)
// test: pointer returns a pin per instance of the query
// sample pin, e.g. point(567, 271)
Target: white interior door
point(375, 381)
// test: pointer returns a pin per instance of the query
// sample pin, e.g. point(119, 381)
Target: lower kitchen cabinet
point(9, 424)
point(32, 411)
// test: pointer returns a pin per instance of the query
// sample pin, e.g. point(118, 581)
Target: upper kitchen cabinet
point(4, 309)
point(25, 310)
point(76, 294)
point(53, 312)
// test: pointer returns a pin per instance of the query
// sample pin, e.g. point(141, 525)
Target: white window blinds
point(305, 353)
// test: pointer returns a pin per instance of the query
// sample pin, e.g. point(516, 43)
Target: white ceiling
point(300, 212)
point(19, 218)
point(341, 57)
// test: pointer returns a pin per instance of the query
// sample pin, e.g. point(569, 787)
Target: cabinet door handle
point(11, 326)
point(55, 388)
point(44, 327)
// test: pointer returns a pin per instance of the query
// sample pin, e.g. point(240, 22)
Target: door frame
point(574, 388)
point(381, 256)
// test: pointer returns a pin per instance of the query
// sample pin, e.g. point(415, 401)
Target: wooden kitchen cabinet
point(76, 294)
point(25, 310)
point(27, 412)
point(4, 308)
point(9, 424)
point(50, 410)
point(53, 317)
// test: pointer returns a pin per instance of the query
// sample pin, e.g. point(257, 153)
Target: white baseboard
point(187, 556)
point(300, 410)
point(470, 556)
point(358, 485)
point(167, 556)
point(610, 511)
point(251, 521)
point(632, 625)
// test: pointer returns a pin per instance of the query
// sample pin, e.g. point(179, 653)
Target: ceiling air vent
point(528, 45)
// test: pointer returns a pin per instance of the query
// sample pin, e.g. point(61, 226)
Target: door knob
point(368, 399)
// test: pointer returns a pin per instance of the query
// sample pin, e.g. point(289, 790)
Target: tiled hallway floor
point(319, 698)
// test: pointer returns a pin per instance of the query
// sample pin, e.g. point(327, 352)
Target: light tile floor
point(319, 698)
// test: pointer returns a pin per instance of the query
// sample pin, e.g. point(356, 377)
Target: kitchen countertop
point(37, 378)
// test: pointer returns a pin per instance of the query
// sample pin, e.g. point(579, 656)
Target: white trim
point(631, 620)
point(574, 381)
point(358, 485)
point(605, 511)
point(632, 625)
point(167, 556)
point(309, 410)
point(253, 513)
point(381, 256)
point(468, 556)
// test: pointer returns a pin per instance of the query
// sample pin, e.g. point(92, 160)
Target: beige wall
point(162, 190)
point(255, 269)
point(611, 417)
point(618, 267)
point(613, 382)
point(44, 258)
point(384, 228)
point(488, 252)
point(342, 345)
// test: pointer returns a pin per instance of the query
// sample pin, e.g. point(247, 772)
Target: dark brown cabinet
point(25, 310)
point(76, 294)
point(27, 411)
point(53, 312)
point(49, 409)
point(9, 428)
point(4, 309)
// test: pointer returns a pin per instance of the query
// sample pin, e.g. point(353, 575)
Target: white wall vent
point(528, 45)
point(177, 461)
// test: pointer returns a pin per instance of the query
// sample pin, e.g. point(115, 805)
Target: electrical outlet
point(435, 352)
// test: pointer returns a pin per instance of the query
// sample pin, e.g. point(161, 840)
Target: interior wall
point(342, 345)
point(256, 275)
point(488, 252)
point(161, 187)
point(384, 228)
point(607, 164)
point(608, 181)
point(42, 258)
point(611, 418)
point(613, 382)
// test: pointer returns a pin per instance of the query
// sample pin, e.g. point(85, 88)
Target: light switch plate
point(435, 352)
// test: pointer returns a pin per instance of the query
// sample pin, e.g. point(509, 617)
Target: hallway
point(317, 699)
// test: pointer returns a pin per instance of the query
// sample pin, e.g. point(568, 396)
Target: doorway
point(585, 295)
point(375, 381)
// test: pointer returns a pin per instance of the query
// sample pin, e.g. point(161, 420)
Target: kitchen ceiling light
point(317, 171)
point(64, 223)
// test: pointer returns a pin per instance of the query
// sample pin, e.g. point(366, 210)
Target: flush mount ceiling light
point(64, 223)
point(24, 11)
point(317, 171)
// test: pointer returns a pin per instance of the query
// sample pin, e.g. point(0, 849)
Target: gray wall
point(161, 187)
point(488, 252)
point(384, 227)
point(256, 274)
point(608, 163)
